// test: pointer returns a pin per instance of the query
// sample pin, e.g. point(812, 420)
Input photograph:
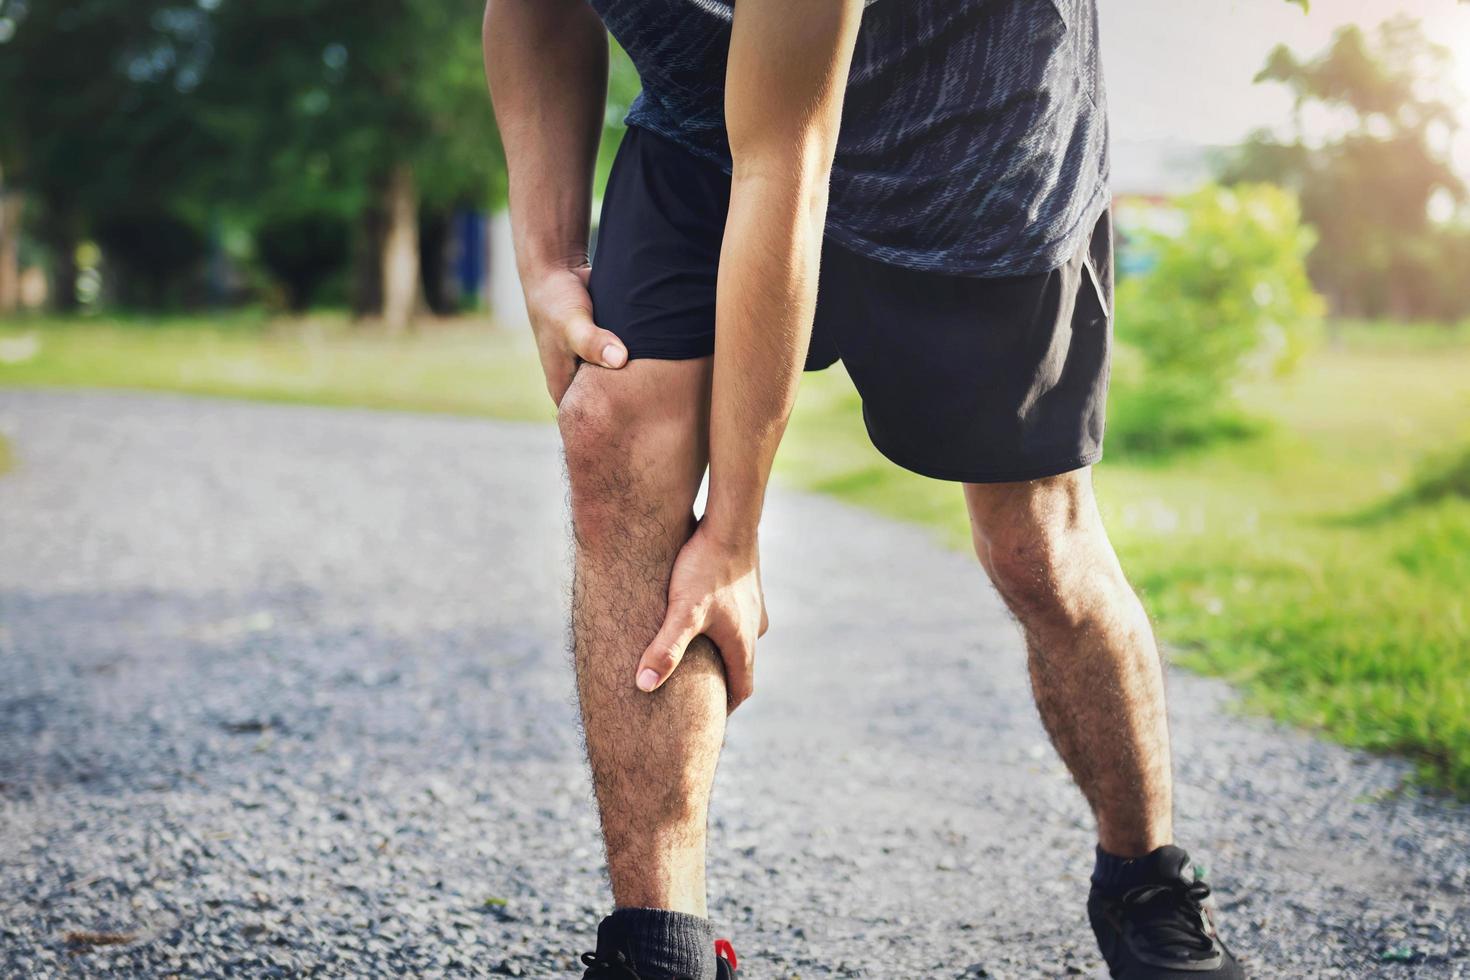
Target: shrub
point(1439, 478)
point(1444, 479)
point(1225, 296)
point(156, 257)
point(303, 251)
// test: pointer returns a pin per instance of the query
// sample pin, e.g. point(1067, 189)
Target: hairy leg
point(1094, 666)
point(636, 450)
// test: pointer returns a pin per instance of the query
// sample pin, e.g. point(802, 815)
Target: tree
point(96, 118)
point(143, 123)
point(1369, 187)
point(10, 217)
point(371, 109)
point(302, 251)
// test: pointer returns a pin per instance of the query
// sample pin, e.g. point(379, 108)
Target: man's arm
point(783, 104)
point(788, 68)
point(546, 62)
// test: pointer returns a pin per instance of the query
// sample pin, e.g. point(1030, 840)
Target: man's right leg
point(636, 449)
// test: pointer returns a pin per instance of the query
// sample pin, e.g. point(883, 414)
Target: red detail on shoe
point(726, 952)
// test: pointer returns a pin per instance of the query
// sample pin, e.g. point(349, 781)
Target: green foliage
point(1440, 478)
point(1166, 415)
point(206, 115)
point(320, 99)
point(1227, 296)
point(96, 100)
point(1443, 481)
point(302, 250)
point(157, 256)
point(1431, 277)
point(1368, 188)
point(99, 121)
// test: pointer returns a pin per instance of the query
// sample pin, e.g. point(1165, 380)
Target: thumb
point(680, 628)
point(593, 344)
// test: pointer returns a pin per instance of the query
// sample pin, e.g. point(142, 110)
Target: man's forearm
point(546, 62)
point(765, 303)
point(784, 84)
point(783, 104)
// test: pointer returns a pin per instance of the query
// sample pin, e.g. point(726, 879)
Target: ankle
point(1139, 837)
point(690, 903)
point(667, 878)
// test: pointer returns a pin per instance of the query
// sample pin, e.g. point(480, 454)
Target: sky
point(1179, 71)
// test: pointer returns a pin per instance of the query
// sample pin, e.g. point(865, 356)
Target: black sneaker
point(619, 966)
point(1159, 928)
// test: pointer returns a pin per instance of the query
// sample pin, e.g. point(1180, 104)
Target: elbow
point(797, 177)
point(799, 153)
point(804, 159)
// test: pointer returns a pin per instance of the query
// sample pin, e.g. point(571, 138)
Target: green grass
point(1323, 567)
point(320, 360)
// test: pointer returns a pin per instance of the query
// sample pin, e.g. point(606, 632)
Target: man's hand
point(561, 316)
point(715, 590)
point(546, 62)
point(787, 73)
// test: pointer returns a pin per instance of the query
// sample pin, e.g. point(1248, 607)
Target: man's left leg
point(1094, 667)
point(1099, 687)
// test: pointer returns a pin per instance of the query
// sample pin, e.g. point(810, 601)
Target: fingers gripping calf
point(635, 451)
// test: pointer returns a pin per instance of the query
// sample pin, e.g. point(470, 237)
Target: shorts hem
point(667, 353)
point(685, 354)
point(1036, 471)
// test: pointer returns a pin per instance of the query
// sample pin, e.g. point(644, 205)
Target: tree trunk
point(10, 206)
point(400, 257)
point(59, 231)
point(367, 264)
point(64, 284)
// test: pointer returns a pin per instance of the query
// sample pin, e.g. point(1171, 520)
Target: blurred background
point(304, 202)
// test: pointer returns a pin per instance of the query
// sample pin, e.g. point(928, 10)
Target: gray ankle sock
point(660, 943)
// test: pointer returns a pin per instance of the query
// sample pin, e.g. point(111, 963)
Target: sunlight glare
point(1459, 46)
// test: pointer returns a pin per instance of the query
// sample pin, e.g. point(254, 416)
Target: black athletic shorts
point(962, 378)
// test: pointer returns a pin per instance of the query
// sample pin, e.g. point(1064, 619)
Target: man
point(916, 187)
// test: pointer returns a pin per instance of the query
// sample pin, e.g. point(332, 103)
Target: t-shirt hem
point(1033, 261)
point(1026, 262)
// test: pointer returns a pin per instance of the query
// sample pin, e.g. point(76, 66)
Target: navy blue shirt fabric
point(974, 132)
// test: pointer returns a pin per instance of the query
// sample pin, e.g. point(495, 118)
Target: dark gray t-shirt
point(974, 132)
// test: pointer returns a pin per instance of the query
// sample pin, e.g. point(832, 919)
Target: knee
point(626, 455)
point(1038, 555)
point(1027, 569)
point(590, 418)
point(596, 422)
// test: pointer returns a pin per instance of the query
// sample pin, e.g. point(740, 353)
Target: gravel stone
point(284, 692)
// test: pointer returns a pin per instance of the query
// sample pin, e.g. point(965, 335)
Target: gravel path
point(283, 691)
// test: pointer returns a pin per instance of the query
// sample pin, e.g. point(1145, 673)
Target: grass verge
point(321, 360)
